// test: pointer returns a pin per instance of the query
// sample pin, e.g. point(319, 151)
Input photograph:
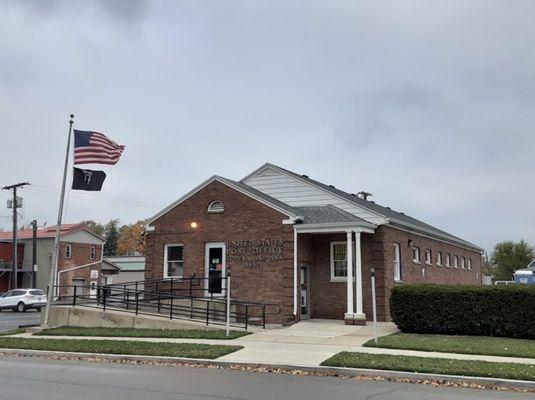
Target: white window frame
point(68, 250)
point(455, 261)
point(463, 262)
point(416, 256)
point(469, 263)
point(92, 252)
point(218, 210)
point(165, 261)
point(439, 259)
point(398, 276)
point(333, 277)
point(448, 259)
point(428, 260)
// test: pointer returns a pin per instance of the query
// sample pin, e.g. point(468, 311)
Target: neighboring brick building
point(6, 267)
point(79, 259)
point(288, 240)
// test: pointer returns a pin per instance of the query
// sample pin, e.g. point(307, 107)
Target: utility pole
point(15, 205)
point(34, 253)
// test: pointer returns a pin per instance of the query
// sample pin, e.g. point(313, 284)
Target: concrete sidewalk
point(307, 343)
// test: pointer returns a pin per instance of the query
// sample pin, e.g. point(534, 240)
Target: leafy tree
point(509, 256)
point(131, 239)
point(112, 235)
point(97, 227)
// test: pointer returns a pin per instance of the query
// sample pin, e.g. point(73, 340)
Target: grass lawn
point(188, 350)
point(494, 346)
point(433, 365)
point(141, 332)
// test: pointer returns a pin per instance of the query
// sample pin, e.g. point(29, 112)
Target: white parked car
point(23, 299)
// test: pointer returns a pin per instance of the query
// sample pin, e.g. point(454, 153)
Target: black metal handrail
point(194, 286)
point(174, 306)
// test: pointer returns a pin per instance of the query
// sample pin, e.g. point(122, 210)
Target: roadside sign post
point(374, 306)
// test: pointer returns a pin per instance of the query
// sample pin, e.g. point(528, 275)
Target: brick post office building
point(289, 240)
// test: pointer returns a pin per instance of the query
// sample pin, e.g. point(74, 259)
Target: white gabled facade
point(297, 192)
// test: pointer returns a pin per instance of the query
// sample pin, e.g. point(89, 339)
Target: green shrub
point(507, 311)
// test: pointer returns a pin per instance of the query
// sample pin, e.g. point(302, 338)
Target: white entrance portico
point(354, 313)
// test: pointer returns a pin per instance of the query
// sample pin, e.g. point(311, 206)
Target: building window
point(92, 252)
point(439, 258)
point(68, 250)
point(416, 254)
point(397, 262)
point(448, 260)
point(428, 257)
point(455, 262)
point(339, 261)
point(216, 207)
point(174, 261)
point(469, 263)
point(463, 262)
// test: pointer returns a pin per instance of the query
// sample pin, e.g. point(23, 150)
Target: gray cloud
point(429, 106)
point(129, 11)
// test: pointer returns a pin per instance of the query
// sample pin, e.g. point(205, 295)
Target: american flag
point(95, 148)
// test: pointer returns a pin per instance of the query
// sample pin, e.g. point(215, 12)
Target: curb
point(411, 377)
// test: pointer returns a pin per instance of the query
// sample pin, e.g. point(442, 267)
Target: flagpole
point(54, 264)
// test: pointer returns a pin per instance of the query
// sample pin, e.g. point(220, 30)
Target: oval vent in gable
point(216, 207)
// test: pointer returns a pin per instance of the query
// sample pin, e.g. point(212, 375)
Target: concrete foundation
point(91, 317)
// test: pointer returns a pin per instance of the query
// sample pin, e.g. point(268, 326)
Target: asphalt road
point(39, 379)
point(11, 320)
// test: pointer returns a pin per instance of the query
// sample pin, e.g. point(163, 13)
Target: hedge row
point(507, 311)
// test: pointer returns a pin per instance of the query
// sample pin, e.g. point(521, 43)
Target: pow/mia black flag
point(87, 179)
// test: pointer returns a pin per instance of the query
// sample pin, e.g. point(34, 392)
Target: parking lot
point(12, 320)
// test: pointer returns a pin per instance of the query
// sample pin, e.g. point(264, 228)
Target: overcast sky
point(428, 105)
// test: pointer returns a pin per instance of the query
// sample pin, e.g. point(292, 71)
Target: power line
point(77, 196)
point(91, 195)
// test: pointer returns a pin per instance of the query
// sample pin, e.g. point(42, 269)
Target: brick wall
point(243, 219)
point(328, 299)
point(272, 282)
point(79, 256)
point(412, 272)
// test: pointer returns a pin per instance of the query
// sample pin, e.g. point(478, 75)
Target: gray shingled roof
point(326, 214)
point(395, 217)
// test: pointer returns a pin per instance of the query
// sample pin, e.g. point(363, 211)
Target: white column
point(349, 248)
point(358, 277)
point(295, 272)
